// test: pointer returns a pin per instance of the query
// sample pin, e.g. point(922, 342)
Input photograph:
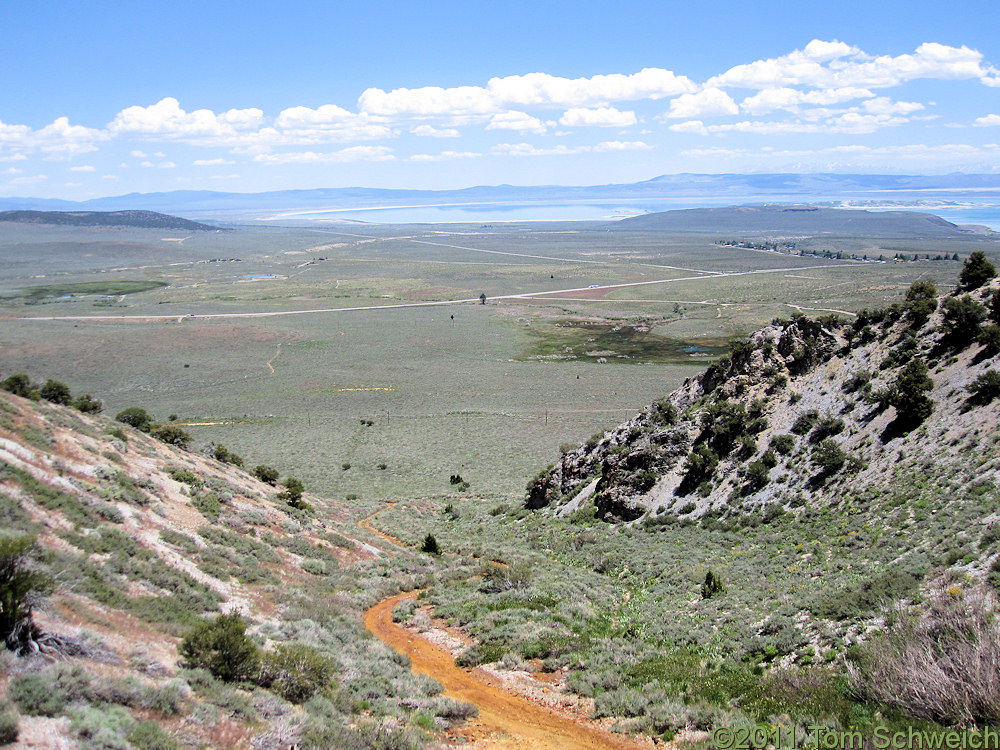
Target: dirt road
point(506, 721)
point(434, 303)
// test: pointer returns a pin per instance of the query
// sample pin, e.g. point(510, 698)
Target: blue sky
point(106, 98)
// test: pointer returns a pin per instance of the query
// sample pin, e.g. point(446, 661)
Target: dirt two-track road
point(506, 721)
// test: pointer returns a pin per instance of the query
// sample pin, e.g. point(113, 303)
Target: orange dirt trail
point(365, 523)
point(506, 721)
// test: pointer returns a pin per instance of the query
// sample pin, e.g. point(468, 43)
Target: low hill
point(794, 221)
point(140, 219)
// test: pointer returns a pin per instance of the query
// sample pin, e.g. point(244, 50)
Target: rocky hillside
point(806, 415)
point(132, 547)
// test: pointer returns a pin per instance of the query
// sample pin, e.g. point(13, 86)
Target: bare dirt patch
point(506, 721)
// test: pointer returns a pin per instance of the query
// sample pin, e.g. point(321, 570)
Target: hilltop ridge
point(141, 219)
point(790, 220)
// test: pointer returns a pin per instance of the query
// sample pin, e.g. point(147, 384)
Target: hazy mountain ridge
point(741, 187)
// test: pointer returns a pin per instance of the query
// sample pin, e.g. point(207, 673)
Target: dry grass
point(942, 664)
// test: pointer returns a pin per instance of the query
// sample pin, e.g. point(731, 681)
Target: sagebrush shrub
point(295, 671)
point(938, 664)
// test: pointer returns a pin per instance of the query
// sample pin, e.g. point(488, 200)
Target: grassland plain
point(487, 393)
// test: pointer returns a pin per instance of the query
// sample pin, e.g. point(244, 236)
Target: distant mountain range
point(715, 187)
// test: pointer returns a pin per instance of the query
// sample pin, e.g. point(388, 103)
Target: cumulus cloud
point(706, 103)
point(445, 156)
point(539, 90)
point(848, 122)
point(58, 140)
point(429, 131)
point(621, 146)
point(691, 126)
point(83, 168)
point(821, 51)
point(527, 149)
point(352, 154)
point(514, 120)
point(13, 133)
point(826, 87)
point(166, 119)
point(883, 105)
point(328, 122)
point(792, 100)
point(246, 129)
point(607, 117)
point(858, 154)
point(296, 118)
point(834, 65)
point(33, 180)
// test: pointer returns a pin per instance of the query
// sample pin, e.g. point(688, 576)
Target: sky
point(109, 98)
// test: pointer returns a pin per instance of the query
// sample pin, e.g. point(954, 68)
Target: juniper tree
point(908, 395)
point(976, 271)
point(55, 392)
point(20, 584)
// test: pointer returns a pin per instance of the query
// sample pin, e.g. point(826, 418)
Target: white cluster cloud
point(212, 162)
point(792, 100)
point(166, 119)
point(604, 117)
point(514, 120)
point(325, 123)
point(527, 149)
point(534, 90)
point(706, 103)
point(828, 65)
point(344, 155)
point(827, 87)
point(847, 122)
point(58, 140)
point(860, 155)
point(429, 131)
point(445, 156)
